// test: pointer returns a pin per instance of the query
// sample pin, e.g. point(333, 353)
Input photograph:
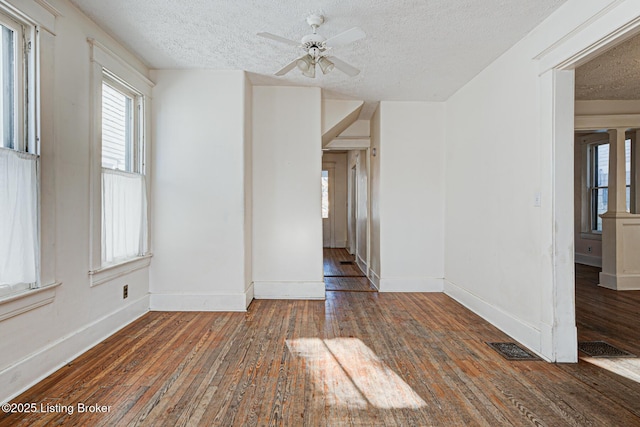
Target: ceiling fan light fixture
point(305, 63)
point(326, 65)
point(310, 72)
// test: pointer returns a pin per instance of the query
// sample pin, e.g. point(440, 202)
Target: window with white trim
point(19, 163)
point(124, 201)
point(598, 170)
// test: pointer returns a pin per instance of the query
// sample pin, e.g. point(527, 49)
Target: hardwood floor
point(342, 274)
point(357, 358)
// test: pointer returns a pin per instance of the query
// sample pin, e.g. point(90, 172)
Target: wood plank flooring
point(357, 359)
point(342, 274)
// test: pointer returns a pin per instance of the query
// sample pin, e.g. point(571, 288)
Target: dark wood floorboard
point(332, 258)
point(342, 274)
point(356, 359)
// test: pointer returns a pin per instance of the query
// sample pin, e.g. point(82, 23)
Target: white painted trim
point(249, 295)
point(411, 284)
point(14, 305)
point(516, 328)
point(289, 290)
point(615, 22)
point(606, 121)
point(374, 279)
point(348, 144)
point(38, 12)
point(110, 272)
point(620, 282)
point(594, 261)
point(27, 372)
point(199, 302)
point(121, 68)
point(362, 264)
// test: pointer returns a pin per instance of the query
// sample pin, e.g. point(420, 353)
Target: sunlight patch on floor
point(628, 367)
point(350, 374)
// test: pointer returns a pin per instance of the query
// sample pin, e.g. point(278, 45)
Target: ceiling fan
point(317, 50)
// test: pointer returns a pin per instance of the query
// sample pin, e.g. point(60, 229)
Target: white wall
point(37, 342)
point(199, 185)
point(408, 170)
point(338, 161)
point(287, 218)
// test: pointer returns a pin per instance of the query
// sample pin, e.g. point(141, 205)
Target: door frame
point(608, 26)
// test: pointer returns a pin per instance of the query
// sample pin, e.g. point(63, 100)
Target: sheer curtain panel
point(124, 216)
point(18, 221)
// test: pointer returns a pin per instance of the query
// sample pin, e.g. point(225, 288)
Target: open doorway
point(607, 111)
point(344, 213)
point(610, 27)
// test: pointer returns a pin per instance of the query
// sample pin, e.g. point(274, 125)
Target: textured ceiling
point(614, 75)
point(421, 50)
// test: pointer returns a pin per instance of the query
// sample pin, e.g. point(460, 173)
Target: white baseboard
point(562, 347)
point(249, 295)
point(288, 290)
point(200, 302)
point(341, 244)
point(594, 261)
point(620, 282)
point(516, 328)
point(411, 284)
point(374, 279)
point(362, 264)
point(32, 369)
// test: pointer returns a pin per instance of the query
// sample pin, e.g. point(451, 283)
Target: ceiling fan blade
point(344, 67)
point(279, 39)
point(290, 66)
point(347, 37)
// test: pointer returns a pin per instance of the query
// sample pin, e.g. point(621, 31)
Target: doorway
point(557, 83)
point(343, 214)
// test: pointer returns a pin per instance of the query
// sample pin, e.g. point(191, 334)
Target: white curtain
point(124, 215)
point(18, 221)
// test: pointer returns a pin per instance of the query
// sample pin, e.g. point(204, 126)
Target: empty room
point(319, 213)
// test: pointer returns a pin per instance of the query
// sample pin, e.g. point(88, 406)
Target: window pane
point(627, 163)
point(325, 194)
point(601, 170)
point(117, 129)
point(600, 201)
point(7, 94)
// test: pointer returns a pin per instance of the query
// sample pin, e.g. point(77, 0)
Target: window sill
point(590, 236)
point(30, 299)
point(113, 271)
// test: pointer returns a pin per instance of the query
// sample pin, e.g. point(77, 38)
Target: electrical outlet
point(125, 291)
point(589, 249)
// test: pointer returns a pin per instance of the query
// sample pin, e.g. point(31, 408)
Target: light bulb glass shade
point(305, 63)
point(325, 65)
point(311, 72)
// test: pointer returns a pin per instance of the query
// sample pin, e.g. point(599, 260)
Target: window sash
point(595, 189)
point(124, 216)
point(14, 99)
point(133, 123)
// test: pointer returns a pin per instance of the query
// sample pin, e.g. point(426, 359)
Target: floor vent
point(601, 349)
point(346, 262)
point(511, 351)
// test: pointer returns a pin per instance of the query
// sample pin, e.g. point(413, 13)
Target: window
point(325, 194)
point(19, 209)
point(599, 181)
point(124, 202)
